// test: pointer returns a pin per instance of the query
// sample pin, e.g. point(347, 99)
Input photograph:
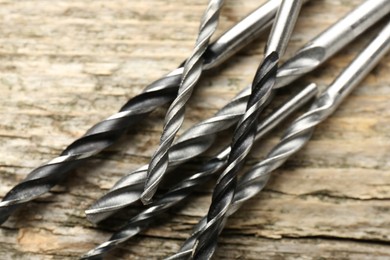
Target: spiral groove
point(175, 115)
point(243, 139)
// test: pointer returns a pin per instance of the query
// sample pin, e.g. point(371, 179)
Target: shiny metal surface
point(174, 117)
point(281, 31)
point(332, 40)
point(183, 189)
point(159, 163)
point(241, 34)
point(191, 143)
point(107, 132)
point(197, 139)
point(300, 131)
point(244, 135)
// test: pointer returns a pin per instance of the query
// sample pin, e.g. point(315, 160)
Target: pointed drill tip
point(183, 255)
point(98, 212)
point(92, 255)
point(96, 215)
point(111, 203)
point(98, 252)
point(146, 197)
point(148, 193)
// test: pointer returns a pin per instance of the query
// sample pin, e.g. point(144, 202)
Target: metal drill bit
point(176, 112)
point(127, 190)
point(332, 40)
point(174, 119)
point(108, 131)
point(193, 142)
point(245, 132)
point(183, 189)
point(300, 131)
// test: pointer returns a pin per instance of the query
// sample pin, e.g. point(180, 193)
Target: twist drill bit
point(300, 131)
point(108, 131)
point(184, 188)
point(122, 193)
point(176, 112)
point(127, 190)
point(332, 40)
point(193, 142)
point(245, 132)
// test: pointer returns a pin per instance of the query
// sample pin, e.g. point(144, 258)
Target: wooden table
point(65, 65)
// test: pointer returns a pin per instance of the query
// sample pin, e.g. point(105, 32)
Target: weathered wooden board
point(65, 65)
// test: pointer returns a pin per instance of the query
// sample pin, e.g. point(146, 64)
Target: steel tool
point(108, 131)
point(244, 135)
point(332, 40)
point(199, 138)
point(300, 131)
point(175, 115)
point(183, 189)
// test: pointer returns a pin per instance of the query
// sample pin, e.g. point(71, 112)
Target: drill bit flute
point(193, 142)
point(159, 163)
point(332, 40)
point(108, 131)
point(184, 188)
point(200, 137)
point(301, 130)
point(175, 116)
point(244, 135)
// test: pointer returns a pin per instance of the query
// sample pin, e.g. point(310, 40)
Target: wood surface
point(65, 65)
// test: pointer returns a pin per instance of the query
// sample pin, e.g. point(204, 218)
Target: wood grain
point(65, 65)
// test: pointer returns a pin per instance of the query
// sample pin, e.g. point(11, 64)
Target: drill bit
point(127, 190)
point(108, 131)
point(193, 142)
point(244, 135)
point(184, 188)
point(175, 116)
point(332, 40)
point(300, 131)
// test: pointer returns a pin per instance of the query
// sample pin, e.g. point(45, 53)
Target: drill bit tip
point(125, 192)
point(184, 188)
point(147, 194)
point(175, 116)
point(108, 205)
point(190, 144)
